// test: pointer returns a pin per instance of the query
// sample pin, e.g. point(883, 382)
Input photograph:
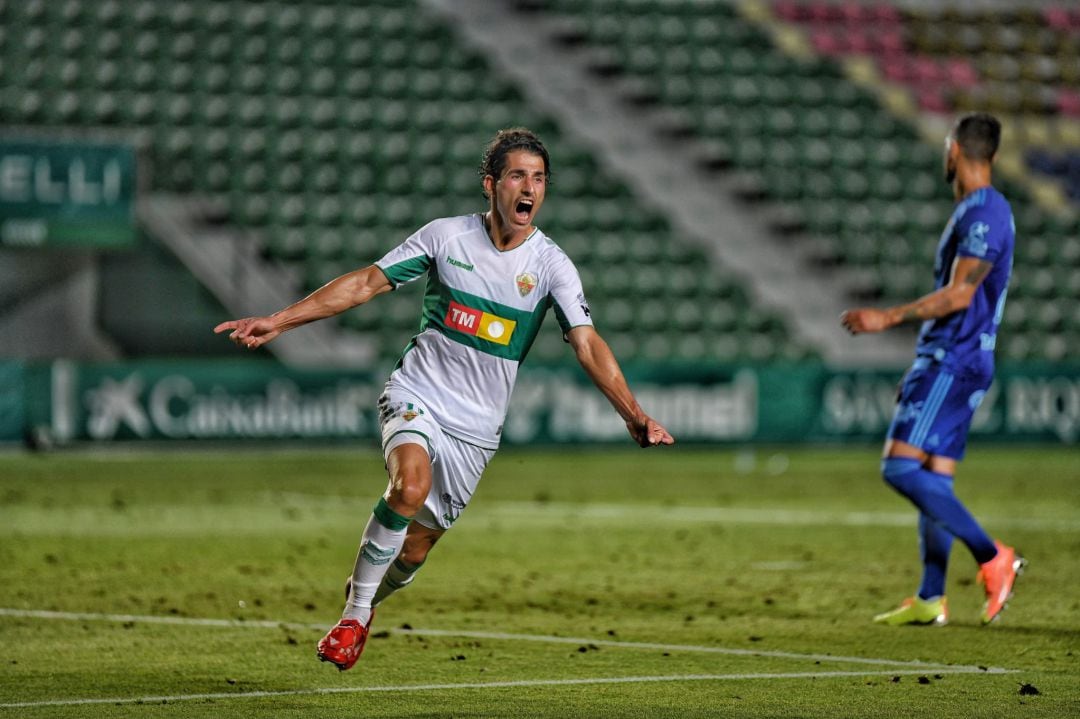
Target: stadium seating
point(335, 130)
point(838, 170)
point(1023, 64)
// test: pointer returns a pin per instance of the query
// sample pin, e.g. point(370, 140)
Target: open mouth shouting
point(523, 209)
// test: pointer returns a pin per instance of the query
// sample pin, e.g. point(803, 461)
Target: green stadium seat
point(1019, 346)
point(549, 347)
point(336, 130)
point(1054, 348)
point(1040, 282)
point(650, 281)
point(623, 344)
point(614, 314)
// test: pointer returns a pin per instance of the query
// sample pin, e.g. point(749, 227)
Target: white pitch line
point(154, 619)
point(523, 683)
point(681, 648)
point(745, 515)
point(495, 636)
point(554, 512)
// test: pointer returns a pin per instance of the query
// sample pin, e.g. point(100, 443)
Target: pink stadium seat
point(854, 13)
point(896, 69)
point(1069, 102)
point(885, 14)
point(891, 40)
point(926, 70)
point(823, 12)
point(1061, 18)
point(861, 43)
point(960, 72)
point(790, 11)
point(827, 42)
point(932, 99)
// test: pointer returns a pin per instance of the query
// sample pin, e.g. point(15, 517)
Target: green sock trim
point(406, 568)
point(388, 517)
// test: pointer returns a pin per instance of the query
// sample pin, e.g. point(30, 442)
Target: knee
point(900, 473)
point(408, 493)
point(410, 479)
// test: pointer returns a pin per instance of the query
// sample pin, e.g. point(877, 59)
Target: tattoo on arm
point(935, 304)
point(941, 302)
point(978, 273)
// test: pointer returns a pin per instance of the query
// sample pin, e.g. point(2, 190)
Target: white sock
point(383, 538)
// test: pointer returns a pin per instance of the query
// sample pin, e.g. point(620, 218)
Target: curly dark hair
point(507, 141)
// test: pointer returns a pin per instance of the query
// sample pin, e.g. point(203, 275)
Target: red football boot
point(998, 576)
point(344, 643)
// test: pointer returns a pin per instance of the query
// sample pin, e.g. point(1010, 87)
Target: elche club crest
point(526, 283)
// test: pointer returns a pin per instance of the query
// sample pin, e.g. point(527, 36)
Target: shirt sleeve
point(410, 259)
point(983, 233)
point(568, 297)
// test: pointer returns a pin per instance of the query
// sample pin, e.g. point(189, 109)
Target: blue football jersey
point(981, 226)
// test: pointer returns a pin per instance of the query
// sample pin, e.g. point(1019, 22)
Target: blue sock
point(934, 543)
point(933, 494)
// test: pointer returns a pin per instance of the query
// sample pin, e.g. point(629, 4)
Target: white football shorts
point(456, 466)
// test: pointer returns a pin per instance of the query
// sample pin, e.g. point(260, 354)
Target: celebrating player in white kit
point(491, 278)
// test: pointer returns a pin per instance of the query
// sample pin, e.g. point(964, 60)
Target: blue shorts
point(935, 408)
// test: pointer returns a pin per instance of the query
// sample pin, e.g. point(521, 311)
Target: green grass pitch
point(680, 582)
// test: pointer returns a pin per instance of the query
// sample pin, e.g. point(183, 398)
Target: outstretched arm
point(345, 292)
point(599, 363)
point(967, 274)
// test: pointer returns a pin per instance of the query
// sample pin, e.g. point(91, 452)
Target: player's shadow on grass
point(1071, 634)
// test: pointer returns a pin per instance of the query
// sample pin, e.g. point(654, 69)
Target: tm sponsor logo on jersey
point(479, 324)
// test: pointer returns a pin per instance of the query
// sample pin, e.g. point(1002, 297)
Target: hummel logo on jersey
point(479, 324)
point(458, 263)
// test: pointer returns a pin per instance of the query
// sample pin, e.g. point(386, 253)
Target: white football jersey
point(482, 311)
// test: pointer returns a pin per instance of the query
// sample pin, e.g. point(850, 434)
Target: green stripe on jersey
point(407, 269)
point(562, 319)
point(437, 299)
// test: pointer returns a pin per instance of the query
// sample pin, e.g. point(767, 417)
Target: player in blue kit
point(953, 368)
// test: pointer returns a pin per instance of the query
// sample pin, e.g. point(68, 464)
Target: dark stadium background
point(727, 176)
